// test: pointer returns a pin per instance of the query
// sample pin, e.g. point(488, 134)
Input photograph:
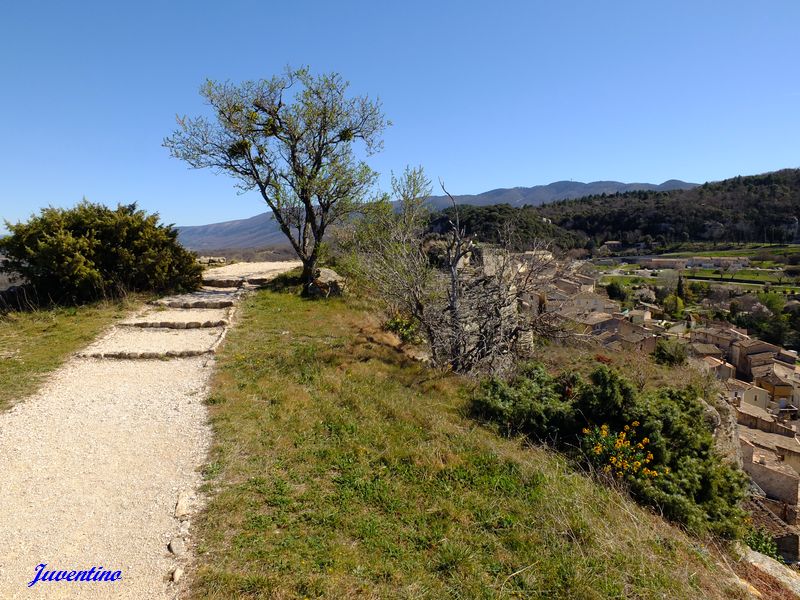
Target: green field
point(743, 250)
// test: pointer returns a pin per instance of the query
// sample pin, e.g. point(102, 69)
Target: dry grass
point(341, 469)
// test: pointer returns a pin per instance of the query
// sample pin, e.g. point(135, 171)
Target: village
point(760, 381)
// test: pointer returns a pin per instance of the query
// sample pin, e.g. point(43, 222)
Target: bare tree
point(474, 304)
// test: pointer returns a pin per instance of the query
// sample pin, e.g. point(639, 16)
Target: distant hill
point(262, 230)
point(559, 190)
point(757, 208)
point(255, 232)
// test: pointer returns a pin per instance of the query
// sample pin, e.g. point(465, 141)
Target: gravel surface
point(254, 270)
point(92, 468)
point(101, 467)
point(179, 315)
point(136, 339)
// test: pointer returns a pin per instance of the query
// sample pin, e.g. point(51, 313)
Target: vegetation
point(670, 352)
point(762, 541)
point(466, 311)
point(33, 343)
point(692, 485)
point(91, 251)
point(343, 469)
point(759, 208)
point(292, 139)
point(487, 224)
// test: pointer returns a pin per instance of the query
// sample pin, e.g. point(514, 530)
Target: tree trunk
point(309, 270)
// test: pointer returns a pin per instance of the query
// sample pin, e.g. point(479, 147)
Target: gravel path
point(100, 468)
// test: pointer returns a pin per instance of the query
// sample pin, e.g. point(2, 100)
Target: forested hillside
point(493, 223)
point(758, 208)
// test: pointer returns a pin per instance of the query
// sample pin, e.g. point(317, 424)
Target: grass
point(735, 250)
point(342, 469)
point(34, 343)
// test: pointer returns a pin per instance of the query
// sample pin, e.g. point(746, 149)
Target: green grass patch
point(736, 250)
point(34, 343)
point(342, 469)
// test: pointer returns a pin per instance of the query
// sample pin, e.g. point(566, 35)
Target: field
point(342, 468)
point(736, 250)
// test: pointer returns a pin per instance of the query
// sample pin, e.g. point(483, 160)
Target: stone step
point(177, 324)
point(206, 298)
point(123, 355)
point(223, 283)
point(135, 342)
point(180, 318)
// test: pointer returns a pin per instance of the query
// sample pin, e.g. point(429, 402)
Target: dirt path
point(100, 468)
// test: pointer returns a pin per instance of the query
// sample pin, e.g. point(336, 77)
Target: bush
point(679, 470)
point(617, 291)
point(405, 327)
point(91, 251)
point(761, 541)
point(670, 352)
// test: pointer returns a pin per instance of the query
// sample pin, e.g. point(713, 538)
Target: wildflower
point(635, 423)
point(627, 427)
point(586, 430)
point(649, 456)
point(646, 440)
point(640, 446)
point(666, 470)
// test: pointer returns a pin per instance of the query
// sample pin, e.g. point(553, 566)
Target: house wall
point(755, 396)
point(788, 547)
point(785, 512)
point(761, 424)
point(776, 484)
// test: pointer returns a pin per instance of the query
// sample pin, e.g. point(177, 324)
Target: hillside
point(343, 469)
point(759, 208)
point(262, 230)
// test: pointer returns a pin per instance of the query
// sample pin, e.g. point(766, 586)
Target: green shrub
point(617, 291)
point(91, 251)
point(405, 327)
point(670, 352)
point(692, 485)
point(761, 541)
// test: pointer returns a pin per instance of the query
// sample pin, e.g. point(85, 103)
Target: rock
point(765, 564)
point(327, 283)
point(182, 508)
point(185, 528)
point(177, 573)
point(177, 546)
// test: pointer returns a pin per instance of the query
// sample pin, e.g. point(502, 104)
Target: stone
point(327, 283)
point(177, 573)
point(177, 546)
point(182, 506)
point(185, 528)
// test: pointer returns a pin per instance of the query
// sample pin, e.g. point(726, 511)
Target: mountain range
point(262, 230)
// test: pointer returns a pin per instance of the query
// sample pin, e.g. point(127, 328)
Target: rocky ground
point(101, 467)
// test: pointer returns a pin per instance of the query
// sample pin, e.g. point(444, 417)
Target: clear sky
point(482, 94)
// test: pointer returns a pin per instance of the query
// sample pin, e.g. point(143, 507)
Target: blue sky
point(483, 95)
